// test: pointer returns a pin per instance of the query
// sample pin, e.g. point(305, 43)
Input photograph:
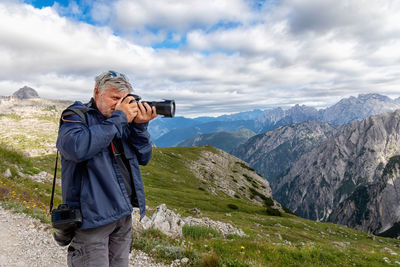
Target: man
point(100, 170)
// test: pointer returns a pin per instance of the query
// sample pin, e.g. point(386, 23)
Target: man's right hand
point(130, 109)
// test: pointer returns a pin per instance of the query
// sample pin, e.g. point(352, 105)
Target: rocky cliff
point(374, 207)
point(329, 175)
point(272, 153)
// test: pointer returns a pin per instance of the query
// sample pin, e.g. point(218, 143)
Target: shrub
point(287, 210)
point(273, 212)
point(210, 260)
point(244, 166)
point(233, 206)
point(269, 202)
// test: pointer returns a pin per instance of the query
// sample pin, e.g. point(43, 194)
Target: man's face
point(107, 101)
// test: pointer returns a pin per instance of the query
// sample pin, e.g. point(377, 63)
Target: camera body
point(65, 221)
point(166, 107)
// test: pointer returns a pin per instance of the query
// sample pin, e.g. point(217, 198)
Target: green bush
point(233, 206)
point(273, 212)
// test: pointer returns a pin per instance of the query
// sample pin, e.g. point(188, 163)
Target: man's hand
point(145, 113)
point(130, 109)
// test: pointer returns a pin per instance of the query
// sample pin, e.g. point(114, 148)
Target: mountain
point(174, 137)
point(374, 207)
point(279, 117)
point(160, 126)
point(222, 140)
point(272, 153)
point(358, 108)
point(26, 93)
point(345, 111)
point(333, 172)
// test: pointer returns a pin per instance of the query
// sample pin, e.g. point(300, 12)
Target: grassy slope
point(168, 180)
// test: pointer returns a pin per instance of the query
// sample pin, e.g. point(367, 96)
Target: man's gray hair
point(113, 79)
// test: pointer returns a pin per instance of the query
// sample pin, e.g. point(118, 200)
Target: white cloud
point(178, 15)
point(291, 52)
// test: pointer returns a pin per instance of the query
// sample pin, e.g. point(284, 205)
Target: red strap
point(112, 147)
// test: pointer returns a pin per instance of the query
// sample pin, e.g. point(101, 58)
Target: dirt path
point(26, 242)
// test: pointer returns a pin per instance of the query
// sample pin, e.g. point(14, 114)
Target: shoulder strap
point(54, 184)
point(78, 111)
point(69, 111)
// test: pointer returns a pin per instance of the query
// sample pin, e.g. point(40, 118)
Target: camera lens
point(63, 238)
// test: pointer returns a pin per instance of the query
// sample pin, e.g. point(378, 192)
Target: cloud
point(211, 56)
point(178, 15)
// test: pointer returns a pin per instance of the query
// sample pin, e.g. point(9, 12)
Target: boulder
point(171, 223)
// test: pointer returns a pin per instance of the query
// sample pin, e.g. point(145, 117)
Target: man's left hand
point(145, 113)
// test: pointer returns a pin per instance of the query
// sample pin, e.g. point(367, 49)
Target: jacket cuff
point(119, 120)
point(139, 127)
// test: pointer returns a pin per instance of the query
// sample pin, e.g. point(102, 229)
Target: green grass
point(197, 232)
point(284, 240)
point(20, 192)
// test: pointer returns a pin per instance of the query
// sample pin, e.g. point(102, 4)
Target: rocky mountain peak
point(26, 92)
point(378, 97)
point(362, 154)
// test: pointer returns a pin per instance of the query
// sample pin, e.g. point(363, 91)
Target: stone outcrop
point(171, 223)
point(220, 171)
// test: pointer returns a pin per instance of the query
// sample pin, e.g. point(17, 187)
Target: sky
point(212, 56)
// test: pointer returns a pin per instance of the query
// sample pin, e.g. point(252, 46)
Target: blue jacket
point(91, 177)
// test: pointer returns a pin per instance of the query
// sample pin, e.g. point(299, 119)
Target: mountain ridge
point(326, 176)
point(343, 112)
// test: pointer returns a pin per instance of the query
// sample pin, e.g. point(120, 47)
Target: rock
point(340, 244)
point(185, 260)
point(195, 211)
point(280, 225)
point(43, 176)
point(287, 243)
point(224, 228)
point(7, 173)
point(388, 250)
point(171, 223)
point(278, 236)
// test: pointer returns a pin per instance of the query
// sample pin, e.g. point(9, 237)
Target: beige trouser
point(104, 246)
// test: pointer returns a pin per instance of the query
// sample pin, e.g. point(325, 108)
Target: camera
point(166, 107)
point(65, 221)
